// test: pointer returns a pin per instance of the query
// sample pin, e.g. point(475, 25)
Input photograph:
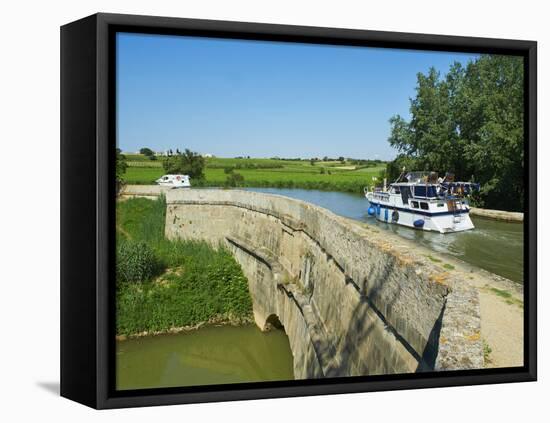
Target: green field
point(332, 175)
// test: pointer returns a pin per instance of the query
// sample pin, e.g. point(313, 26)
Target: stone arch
point(272, 322)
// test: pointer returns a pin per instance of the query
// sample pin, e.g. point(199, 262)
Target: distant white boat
point(174, 181)
point(421, 200)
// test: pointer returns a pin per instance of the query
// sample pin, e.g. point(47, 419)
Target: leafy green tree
point(186, 163)
point(469, 122)
point(395, 167)
point(146, 152)
point(120, 167)
point(491, 124)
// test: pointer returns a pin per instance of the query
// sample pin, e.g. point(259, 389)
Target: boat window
point(414, 204)
point(428, 191)
point(397, 190)
point(424, 206)
point(440, 204)
point(405, 194)
point(420, 191)
point(432, 191)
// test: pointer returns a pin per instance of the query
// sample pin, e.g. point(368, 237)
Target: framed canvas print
point(254, 211)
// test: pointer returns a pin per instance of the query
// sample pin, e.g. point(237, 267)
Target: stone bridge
point(353, 300)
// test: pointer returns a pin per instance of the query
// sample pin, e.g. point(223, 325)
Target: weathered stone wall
point(351, 302)
point(505, 216)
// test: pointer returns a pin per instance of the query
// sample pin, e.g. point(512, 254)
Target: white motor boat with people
point(174, 181)
point(422, 200)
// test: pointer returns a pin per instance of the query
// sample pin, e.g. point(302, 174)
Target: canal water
point(210, 355)
point(493, 245)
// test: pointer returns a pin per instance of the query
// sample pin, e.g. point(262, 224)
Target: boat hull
point(445, 222)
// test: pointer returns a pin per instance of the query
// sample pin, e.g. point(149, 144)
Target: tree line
point(469, 122)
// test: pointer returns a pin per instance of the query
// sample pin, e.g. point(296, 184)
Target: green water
point(493, 245)
point(210, 355)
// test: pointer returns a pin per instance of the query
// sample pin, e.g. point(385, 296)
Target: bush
point(234, 180)
point(136, 262)
point(147, 152)
point(186, 163)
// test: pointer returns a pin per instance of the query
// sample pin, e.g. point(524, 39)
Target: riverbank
point(194, 284)
point(213, 321)
point(502, 215)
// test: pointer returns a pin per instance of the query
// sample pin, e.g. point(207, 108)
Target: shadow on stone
point(429, 355)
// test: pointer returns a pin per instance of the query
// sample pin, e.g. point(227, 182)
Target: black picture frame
point(88, 195)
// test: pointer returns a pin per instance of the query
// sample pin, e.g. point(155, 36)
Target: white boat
point(421, 200)
point(174, 181)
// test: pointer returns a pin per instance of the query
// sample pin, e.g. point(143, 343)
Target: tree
point(146, 152)
point(469, 122)
point(234, 179)
point(342, 159)
point(120, 167)
point(395, 167)
point(186, 163)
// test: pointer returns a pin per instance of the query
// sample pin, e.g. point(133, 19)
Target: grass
point(501, 293)
point(269, 173)
point(506, 296)
point(435, 260)
point(445, 265)
point(486, 352)
point(199, 283)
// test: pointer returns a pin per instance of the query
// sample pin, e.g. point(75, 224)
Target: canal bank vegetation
point(163, 285)
point(468, 122)
point(505, 295)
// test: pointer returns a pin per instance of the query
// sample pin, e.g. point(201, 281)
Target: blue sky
point(263, 99)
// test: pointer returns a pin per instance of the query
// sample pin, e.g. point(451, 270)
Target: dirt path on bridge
point(501, 310)
point(502, 330)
